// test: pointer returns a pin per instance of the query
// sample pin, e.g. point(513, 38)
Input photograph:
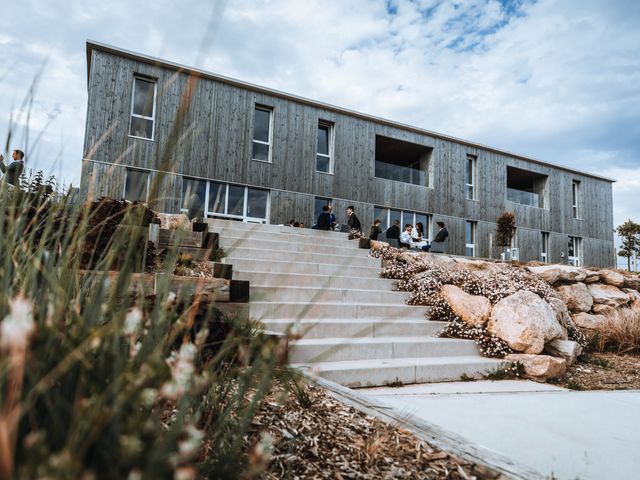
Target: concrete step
point(314, 294)
point(310, 280)
point(279, 266)
point(288, 237)
point(217, 223)
point(290, 245)
point(335, 327)
point(368, 373)
point(262, 310)
point(315, 350)
point(358, 257)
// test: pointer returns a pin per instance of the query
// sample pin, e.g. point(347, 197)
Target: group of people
point(327, 220)
point(293, 223)
point(411, 237)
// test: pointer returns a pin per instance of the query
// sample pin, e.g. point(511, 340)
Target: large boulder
point(559, 273)
point(632, 281)
point(566, 349)
point(611, 278)
point(473, 309)
point(634, 296)
point(607, 295)
point(525, 322)
point(602, 309)
point(540, 367)
point(592, 276)
point(562, 314)
point(576, 296)
point(481, 267)
point(588, 320)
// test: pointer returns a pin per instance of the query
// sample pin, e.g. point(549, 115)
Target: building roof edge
point(95, 45)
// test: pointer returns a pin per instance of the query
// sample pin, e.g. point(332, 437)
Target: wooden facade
point(203, 128)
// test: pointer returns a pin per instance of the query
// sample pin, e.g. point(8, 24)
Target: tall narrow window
point(575, 198)
point(262, 134)
point(143, 108)
point(324, 162)
point(544, 257)
point(136, 185)
point(470, 239)
point(574, 250)
point(470, 186)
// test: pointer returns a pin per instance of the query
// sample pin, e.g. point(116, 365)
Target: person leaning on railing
point(13, 171)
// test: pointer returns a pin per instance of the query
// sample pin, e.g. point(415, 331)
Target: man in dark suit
point(393, 232)
point(324, 220)
point(352, 220)
point(437, 246)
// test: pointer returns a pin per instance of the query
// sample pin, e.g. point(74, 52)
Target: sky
point(557, 80)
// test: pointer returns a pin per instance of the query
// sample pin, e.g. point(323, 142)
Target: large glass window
point(470, 185)
point(470, 239)
point(143, 108)
point(324, 161)
point(525, 187)
point(194, 194)
point(574, 251)
point(136, 184)
point(387, 216)
point(262, 134)
point(402, 161)
point(225, 200)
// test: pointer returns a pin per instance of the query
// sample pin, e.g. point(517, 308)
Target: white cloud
point(559, 80)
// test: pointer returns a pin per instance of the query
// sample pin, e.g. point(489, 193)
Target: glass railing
point(399, 173)
point(522, 197)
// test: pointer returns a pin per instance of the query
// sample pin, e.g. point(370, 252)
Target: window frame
point(146, 187)
point(544, 250)
point(330, 146)
point(471, 187)
point(269, 143)
point(575, 259)
point(153, 117)
point(575, 199)
point(244, 217)
point(472, 245)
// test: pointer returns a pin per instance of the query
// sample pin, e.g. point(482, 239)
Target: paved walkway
point(547, 432)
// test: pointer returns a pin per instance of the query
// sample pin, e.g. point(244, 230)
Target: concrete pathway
point(546, 431)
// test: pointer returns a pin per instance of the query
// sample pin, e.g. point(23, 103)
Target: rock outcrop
point(540, 367)
point(588, 321)
point(559, 273)
point(525, 322)
point(474, 310)
point(576, 296)
point(607, 295)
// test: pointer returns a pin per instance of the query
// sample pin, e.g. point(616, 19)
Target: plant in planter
point(505, 231)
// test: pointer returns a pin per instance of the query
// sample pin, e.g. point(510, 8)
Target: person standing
point(13, 171)
point(352, 220)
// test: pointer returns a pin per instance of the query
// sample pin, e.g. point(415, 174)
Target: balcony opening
point(402, 161)
point(525, 187)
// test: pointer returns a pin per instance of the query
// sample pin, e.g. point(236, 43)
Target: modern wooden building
point(181, 138)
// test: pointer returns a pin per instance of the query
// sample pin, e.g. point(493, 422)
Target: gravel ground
point(603, 371)
point(309, 434)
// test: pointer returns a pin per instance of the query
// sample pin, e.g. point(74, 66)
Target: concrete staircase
point(354, 328)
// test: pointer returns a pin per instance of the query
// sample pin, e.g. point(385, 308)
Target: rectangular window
point(470, 239)
point(470, 185)
point(324, 154)
point(575, 198)
point(544, 257)
point(387, 216)
point(194, 193)
point(525, 187)
point(143, 108)
point(262, 132)
point(402, 161)
point(136, 184)
point(574, 251)
point(224, 200)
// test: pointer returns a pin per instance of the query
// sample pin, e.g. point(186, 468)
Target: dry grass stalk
point(620, 332)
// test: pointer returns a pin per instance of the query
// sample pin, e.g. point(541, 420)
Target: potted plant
point(505, 230)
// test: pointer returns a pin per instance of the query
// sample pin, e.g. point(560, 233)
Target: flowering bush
point(99, 383)
point(488, 343)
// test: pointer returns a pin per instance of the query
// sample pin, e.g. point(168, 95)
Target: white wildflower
point(182, 370)
point(185, 473)
point(132, 322)
point(18, 326)
point(191, 444)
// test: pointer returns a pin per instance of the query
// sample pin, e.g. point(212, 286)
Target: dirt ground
point(315, 436)
point(602, 371)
